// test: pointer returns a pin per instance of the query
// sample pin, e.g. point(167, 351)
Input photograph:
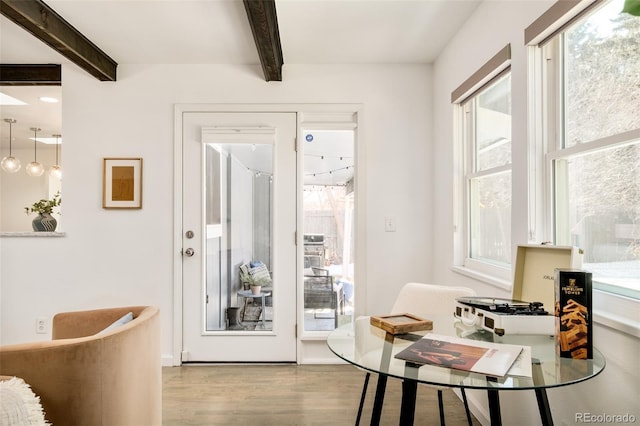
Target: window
point(328, 223)
point(591, 81)
point(485, 178)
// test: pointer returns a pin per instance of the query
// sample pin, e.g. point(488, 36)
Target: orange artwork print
point(122, 178)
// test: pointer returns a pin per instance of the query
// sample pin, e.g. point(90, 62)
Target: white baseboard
point(167, 360)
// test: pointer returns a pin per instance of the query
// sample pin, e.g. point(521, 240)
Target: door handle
point(189, 252)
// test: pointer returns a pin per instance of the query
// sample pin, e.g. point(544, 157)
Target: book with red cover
point(493, 359)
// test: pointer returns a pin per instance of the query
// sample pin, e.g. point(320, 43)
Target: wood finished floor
point(222, 394)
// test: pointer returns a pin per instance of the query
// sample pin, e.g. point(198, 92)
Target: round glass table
point(374, 350)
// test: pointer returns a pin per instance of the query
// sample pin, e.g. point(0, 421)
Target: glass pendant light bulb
point(34, 168)
point(10, 164)
point(56, 171)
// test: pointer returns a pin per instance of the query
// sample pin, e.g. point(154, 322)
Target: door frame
point(310, 347)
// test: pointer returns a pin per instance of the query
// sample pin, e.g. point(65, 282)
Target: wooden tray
point(401, 323)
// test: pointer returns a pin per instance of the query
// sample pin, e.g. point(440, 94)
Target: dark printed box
point(573, 311)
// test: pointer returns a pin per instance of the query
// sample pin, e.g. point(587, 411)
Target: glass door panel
point(238, 227)
point(328, 226)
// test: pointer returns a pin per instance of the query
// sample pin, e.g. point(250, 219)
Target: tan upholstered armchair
point(83, 378)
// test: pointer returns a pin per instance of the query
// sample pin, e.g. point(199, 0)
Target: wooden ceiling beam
point(264, 26)
point(30, 75)
point(45, 24)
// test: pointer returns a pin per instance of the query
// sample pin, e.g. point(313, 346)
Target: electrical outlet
point(42, 324)
point(390, 224)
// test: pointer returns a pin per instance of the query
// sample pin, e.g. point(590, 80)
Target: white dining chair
point(426, 299)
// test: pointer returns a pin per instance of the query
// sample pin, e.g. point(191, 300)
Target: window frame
point(464, 157)
point(333, 119)
point(546, 127)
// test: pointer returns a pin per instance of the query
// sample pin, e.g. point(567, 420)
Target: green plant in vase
point(256, 284)
point(44, 222)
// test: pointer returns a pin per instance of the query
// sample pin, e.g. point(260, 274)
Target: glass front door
point(239, 221)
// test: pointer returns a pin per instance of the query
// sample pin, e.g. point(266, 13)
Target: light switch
point(389, 224)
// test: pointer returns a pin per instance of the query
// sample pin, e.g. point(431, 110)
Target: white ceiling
point(42, 115)
point(217, 31)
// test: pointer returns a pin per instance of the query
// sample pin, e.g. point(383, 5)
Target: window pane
point(598, 210)
point(493, 125)
point(328, 223)
point(602, 75)
point(491, 218)
point(238, 248)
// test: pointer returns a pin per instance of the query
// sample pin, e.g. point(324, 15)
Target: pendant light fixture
point(34, 168)
point(10, 164)
point(56, 171)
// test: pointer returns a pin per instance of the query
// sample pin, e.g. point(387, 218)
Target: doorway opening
point(223, 190)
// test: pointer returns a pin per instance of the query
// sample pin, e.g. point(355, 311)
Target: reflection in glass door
point(238, 215)
point(328, 226)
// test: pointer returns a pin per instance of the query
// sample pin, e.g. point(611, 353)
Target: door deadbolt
point(189, 234)
point(189, 252)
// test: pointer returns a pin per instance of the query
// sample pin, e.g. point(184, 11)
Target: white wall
point(111, 257)
point(494, 24)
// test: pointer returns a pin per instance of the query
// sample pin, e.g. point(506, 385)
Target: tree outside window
point(595, 165)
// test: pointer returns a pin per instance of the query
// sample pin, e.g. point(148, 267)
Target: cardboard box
point(533, 281)
point(573, 312)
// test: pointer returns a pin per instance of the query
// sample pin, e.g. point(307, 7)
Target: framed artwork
point(122, 183)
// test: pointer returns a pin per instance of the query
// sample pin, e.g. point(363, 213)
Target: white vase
point(255, 289)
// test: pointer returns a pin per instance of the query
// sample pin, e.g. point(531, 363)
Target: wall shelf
point(32, 234)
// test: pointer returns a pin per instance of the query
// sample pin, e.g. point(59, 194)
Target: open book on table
point(492, 359)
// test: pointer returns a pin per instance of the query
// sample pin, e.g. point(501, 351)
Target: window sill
point(485, 278)
point(32, 234)
point(616, 312)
